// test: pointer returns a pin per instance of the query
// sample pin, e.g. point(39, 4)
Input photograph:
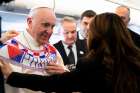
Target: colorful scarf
point(16, 53)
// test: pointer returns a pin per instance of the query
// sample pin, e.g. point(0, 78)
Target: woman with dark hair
point(109, 38)
point(112, 64)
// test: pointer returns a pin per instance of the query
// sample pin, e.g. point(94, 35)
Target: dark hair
point(88, 13)
point(108, 36)
point(5, 1)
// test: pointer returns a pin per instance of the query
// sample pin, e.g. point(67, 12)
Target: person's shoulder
point(91, 59)
point(58, 43)
point(133, 33)
point(84, 61)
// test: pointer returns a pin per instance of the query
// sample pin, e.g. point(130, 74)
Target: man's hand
point(8, 35)
point(5, 68)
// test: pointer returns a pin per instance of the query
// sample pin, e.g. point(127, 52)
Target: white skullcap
point(43, 3)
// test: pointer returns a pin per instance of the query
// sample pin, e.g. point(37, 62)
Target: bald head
point(124, 13)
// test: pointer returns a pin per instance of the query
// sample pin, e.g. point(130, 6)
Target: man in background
point(124, 13)
point(70, 44)
point(85, 19)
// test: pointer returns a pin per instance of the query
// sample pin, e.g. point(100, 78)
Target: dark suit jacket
point(135, 37)
point(1, 83)
point(80, 47)
point(1, 79)
point(88, 77)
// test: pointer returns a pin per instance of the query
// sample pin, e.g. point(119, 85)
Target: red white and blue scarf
point(25, 57)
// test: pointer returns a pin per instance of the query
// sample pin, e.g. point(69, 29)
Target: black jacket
point(135, 37)
point(1, 83)
point(80, 47)
point(1, 78)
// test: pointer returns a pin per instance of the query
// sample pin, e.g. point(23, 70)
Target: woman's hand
point(53, 68)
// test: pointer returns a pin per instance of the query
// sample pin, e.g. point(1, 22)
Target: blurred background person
point(69, 47)
point(85, 19)
point(124, 13)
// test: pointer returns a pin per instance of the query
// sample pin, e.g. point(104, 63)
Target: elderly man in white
point(40, 23)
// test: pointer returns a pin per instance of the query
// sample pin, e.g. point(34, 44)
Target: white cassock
point(35, 55)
